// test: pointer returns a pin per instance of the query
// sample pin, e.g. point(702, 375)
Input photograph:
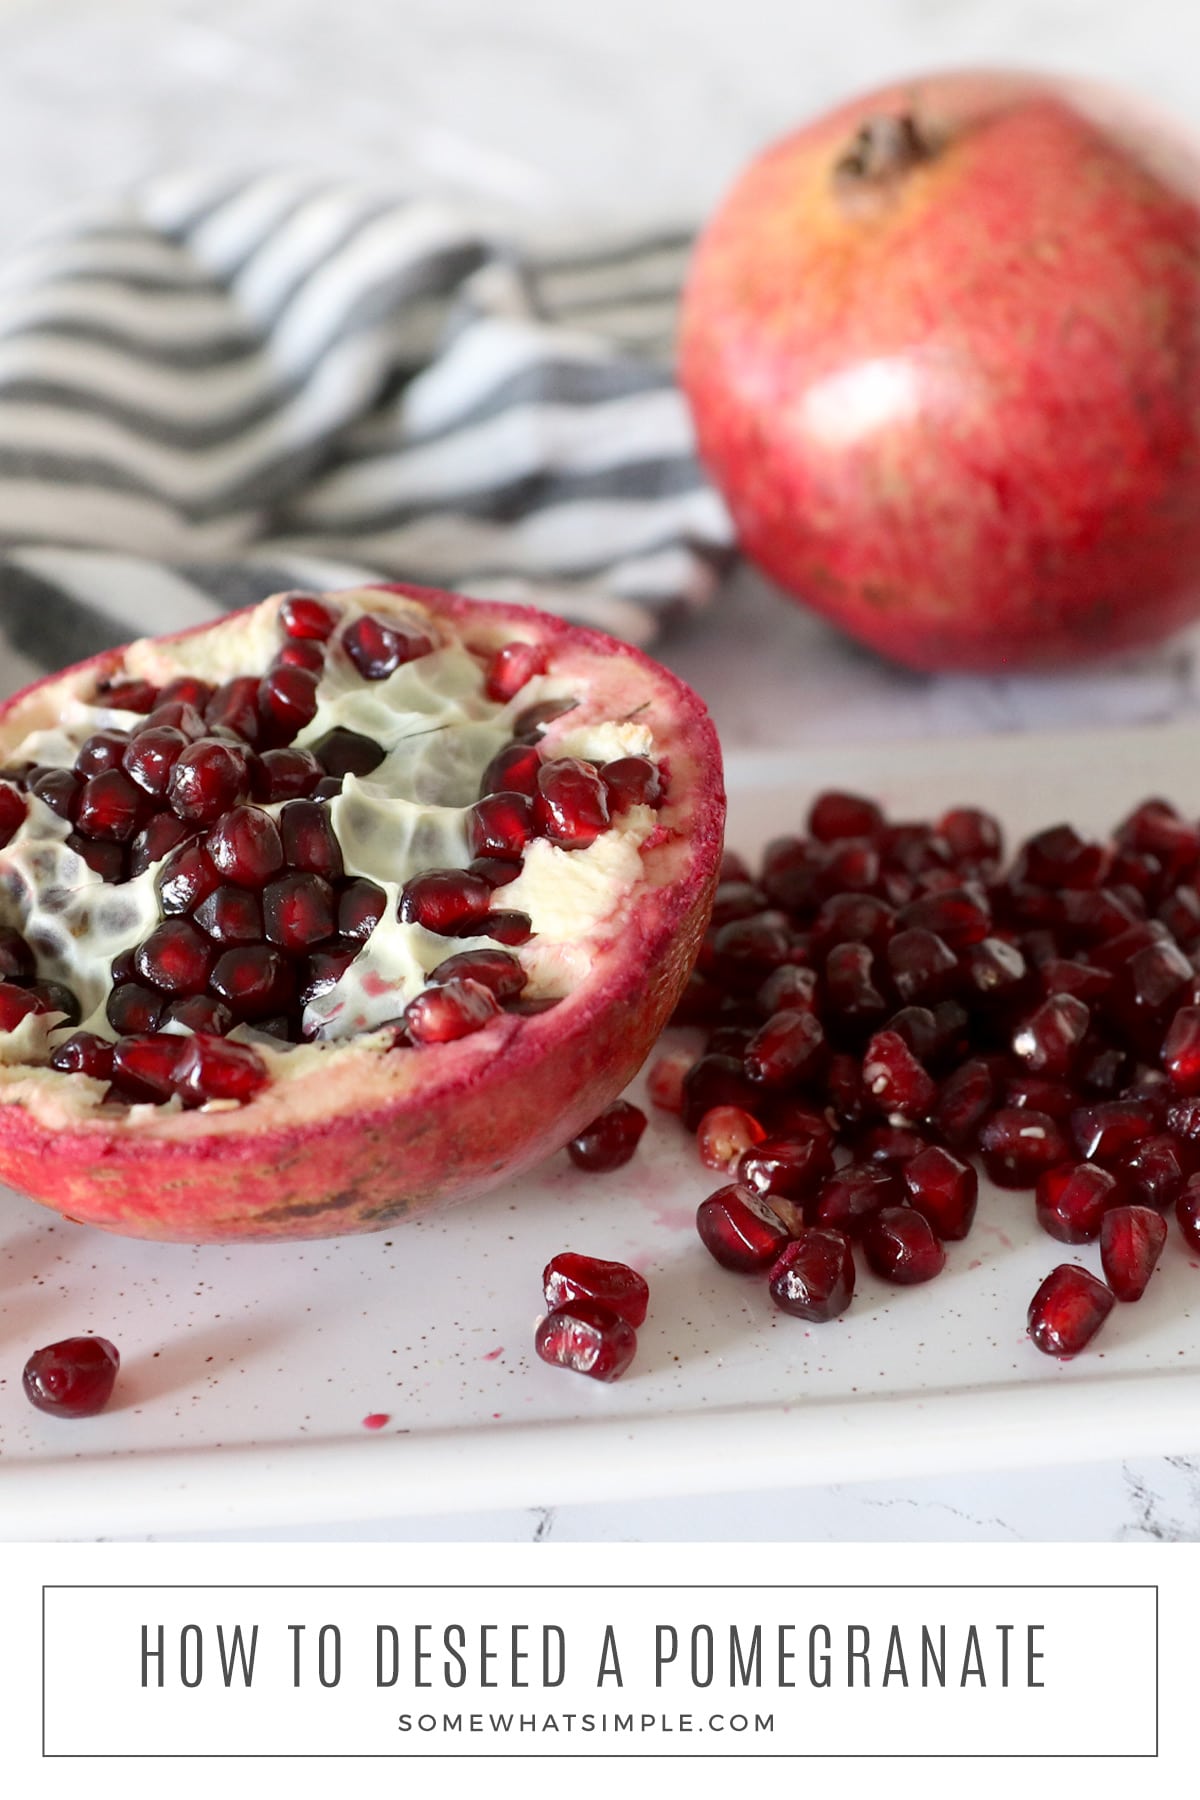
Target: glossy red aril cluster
point(72, 1379)
point(895, 999)
point(595, 1309)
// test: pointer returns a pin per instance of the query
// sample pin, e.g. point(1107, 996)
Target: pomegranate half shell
point(353, 1134)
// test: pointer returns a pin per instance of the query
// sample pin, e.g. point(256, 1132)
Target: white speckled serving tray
point(247, 1371)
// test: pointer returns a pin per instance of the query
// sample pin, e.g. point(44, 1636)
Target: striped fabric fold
point(222, 386)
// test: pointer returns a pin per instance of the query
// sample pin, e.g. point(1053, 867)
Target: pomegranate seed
point(188, 690)
point(914, 849)
point(1059, 858)
point(378, 648)
point(187, 878)
point(1187, 1212)
point(902, 1247)
point(844, 1088)
point(569, 1276)
point(1040, 1093)
point(252, 980)
point(511, 667)
point(513, 770)
point(1131, 1242)
point(298, 911)
point(101, 752)
point(72, 1379)
point(507, 927)
point(571, 808)
point(359, 909)
point(786, 1168)
point(944, 1190)
point(208, 778)
point(836, 815)
point(287, 702)
point(1068, 1310)
point(84, 1054)
point(132, 1008)
point(716, 1080)
point(1181, 1051)
point(664, 1084)
point(1049, 1040)
point(587, 1338)
point(496, 873)
point(173, 715)
point(1062, 976)
point(813, 1278)
point(304, 616)
point(199, 1013)
point(59, 790)
point(788, 1048)
point(144, 1066)
point(150, 756)
point(528, 725)
point(975, 839)
point(923, 968)
point(850, 989)
point(325, 968)
point(444, 900)
point(789, 873)
point(964, 1100)
point(111, 806)
point(610, 1140)
point(631, 781)
point(53, 997)
point(285, 774)
point(1156, 1169)
point(309, 840)
point(301, 655)
point(231, 915)
point(1180, 913)
point(1097, 915)
point(501, 825)
point(955, 916)
point(110, 861)
point(854, 1194)
point(128, 696)
point(787, 989)
point(211, 1068)
point(453, 1010)
point(746, 950)
point(1115, 952)
point(13, 809)
point(724, 1134)
point(16, 958)
point(494, 969)
point(1073, 1199)
point(849, 867)
point(1113, 1127)
point(245, 846)
point(853, 919)
point(1183, 1120)
point(918, 1028)
point(234, 708)
point(1018, 1144)
point(176, 957)
point(156, 839)
point(739, 1230)
point(894, 1080)
point(15, 1004)
point(341, 753)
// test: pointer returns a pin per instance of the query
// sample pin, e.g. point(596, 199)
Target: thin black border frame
point(669, 1587)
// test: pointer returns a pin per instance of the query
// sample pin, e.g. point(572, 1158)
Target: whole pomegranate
point(943, 352)
point(338, 908)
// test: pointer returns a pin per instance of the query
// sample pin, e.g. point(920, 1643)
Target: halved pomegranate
point(250, 859)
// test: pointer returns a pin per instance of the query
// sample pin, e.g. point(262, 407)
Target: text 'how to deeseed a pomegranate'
point(297, 909)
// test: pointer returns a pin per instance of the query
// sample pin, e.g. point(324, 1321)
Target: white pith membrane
point(439, 731)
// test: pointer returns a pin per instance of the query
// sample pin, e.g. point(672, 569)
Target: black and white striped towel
point(216, 389)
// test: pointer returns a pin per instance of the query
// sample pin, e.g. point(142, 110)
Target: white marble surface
point(570, 115)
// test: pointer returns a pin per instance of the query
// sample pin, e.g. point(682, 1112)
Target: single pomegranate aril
point(111, 806)
point(444, 900)
point(1068, 1310)
point(59, 790)
point(157, 838)
point(902, 1247)
point(309, 840)
point(975, 839)
point(571, 807)
point(500, 825)
point(569, 1276)
point(835, 815)
point(128, 696)
point(299, 654)
point(854, 1000)
point(955, 916)
point(1073, 1199)
point(964, 1100)
point(287, 702)
point(173, 715)
point(1156, 1169)
point(1131, 1242)
point(13, 808)
point(253, 981)
point(739, 1230)
point(786, 1168)
point(854, 1194)
point(787, 989)
point(341, 752)
point(325, 968)
point(244, 846)
point(513, 770)
point(716, 1080)
point(231, 915)
point(199, 1013)
point(208, 778)
point(587, 1338)
point(610, 1140)
point(53, 997)
point(304, 616)
point(724, 1134)
point(1187, 1212)
point(789, 1048)
point(664, 1083)
point(72, 1379)
point(84, 1054)
point(176, 957)
point(298, 911)
point(1181, 1051)
point(854, 919)
point(923, 968)
point(150, 756)
point(1048, 1042)
point(745, 951)
point(1059, 858)
point(144, 1066)
point(1041, 1093)
point(894, 1080)
point(377, 648)
point(944, 1190)
point(102, 751)
point(188, 690)
point(813, 1278)
point(186, 878)
point(133, 1008)
point(210, 1068)
point(494, 969)
point(631, 781)
point(844, 1090)
point(453, 1010)
point(1018, 1144)
point(234, 708)
point(16, 1003)
point(511, 667)
point(284, 774)
point(1112, 1127)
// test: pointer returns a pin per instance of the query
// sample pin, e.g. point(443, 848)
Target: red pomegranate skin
point(366, 1138)
point(956, 408)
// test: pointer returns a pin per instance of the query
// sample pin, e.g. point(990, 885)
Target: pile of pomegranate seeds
point(885, 1001)
point(258, 918)
point(72, 1379)
point(595, 1309)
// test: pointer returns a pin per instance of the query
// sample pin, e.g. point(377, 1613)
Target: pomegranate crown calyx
point(885, 148)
